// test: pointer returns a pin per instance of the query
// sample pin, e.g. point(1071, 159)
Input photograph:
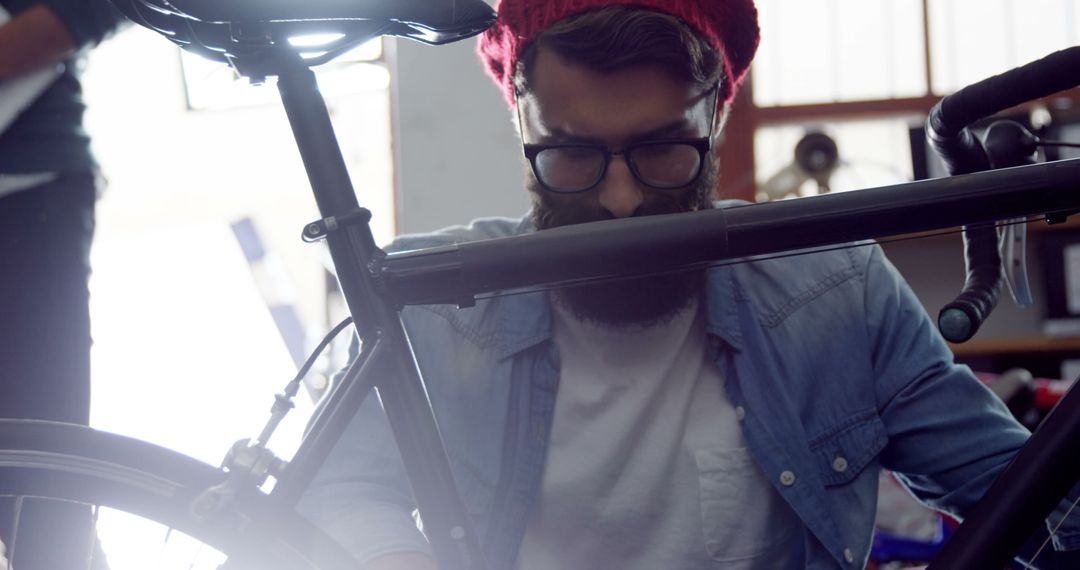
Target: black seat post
point(334, 194)
point(400, 385)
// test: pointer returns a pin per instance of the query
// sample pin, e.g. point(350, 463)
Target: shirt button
point(787, 478)
point(740, 413)
point(839, 464)
point(849, 556)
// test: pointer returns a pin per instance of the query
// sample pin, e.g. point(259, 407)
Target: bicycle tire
point(58, 461)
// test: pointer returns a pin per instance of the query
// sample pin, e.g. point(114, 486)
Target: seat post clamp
point(319, 229)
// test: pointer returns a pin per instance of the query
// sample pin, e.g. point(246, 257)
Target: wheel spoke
point(1050, 537)
point(91, 538)
point(16, 514)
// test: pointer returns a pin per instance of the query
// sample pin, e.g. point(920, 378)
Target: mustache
point(549, 214)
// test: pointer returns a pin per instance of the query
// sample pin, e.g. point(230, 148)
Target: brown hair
point(619, 37)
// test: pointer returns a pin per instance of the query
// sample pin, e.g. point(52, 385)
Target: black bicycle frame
point(252, 36)
point(376, 286)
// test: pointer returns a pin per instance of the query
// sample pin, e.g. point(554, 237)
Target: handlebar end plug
point(955, 325)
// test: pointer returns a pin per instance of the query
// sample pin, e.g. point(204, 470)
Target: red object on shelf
point(1049, 392)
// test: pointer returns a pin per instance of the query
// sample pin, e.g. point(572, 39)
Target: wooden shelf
point(1023, 345)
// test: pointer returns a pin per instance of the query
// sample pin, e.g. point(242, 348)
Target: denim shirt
point(830, 360)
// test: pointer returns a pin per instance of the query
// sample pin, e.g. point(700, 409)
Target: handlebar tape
point(948, 134)
point(1053, 73)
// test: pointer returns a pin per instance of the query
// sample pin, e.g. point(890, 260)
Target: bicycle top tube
point(652, 244)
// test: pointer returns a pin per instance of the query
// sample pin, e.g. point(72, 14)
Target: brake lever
point(1008, 143)
point(1012, 243)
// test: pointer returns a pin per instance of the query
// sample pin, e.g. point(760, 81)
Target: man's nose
point(620, 193)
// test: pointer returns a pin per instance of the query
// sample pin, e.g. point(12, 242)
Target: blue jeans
point(45, 236)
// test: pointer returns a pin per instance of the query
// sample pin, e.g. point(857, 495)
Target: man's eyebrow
point(677, 127)
point(557, 135)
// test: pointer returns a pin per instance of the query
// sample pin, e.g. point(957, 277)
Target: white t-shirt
point(647, 466)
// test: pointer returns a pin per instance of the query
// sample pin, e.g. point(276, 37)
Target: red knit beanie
point(730, 27)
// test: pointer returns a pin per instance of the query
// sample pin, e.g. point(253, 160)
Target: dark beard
point(639, 301)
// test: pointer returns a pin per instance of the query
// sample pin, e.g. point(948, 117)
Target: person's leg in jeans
point(45, 236)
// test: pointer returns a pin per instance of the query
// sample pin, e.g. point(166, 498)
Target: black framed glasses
point(664, 164)
point(578, 167)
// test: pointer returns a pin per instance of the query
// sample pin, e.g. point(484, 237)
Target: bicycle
point(227, 508)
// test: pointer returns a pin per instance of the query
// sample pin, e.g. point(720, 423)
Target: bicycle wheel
point(62, 462)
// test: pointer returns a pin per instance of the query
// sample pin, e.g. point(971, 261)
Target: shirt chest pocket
point(844, 450)
point(743, 517)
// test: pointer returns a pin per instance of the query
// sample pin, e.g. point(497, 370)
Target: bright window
point(823, 51)
point(974, 39)
point(860, 66)
point(187, 352)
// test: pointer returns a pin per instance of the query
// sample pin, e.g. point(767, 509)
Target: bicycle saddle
point(438, 15)
point(237, 31)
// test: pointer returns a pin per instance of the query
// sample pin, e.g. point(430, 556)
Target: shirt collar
point(721, 306)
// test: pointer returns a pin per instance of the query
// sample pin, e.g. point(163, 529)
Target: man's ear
point(519, 118)
point(516, 121)
point(719, 120)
